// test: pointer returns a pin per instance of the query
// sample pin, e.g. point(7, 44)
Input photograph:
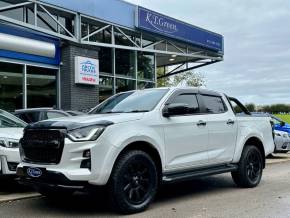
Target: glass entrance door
point(11, 86)
point(41, 87)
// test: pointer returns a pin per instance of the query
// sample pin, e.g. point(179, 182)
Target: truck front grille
point(42, 146)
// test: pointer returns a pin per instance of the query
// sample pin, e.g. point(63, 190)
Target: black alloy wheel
point(250, 168)
point(254, 166)
point(137, 182)
point(133, 183)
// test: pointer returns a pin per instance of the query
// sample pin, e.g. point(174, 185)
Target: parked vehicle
point(282, 142)
point(280, 125)
point(75, 113)
point(137, 140)
point(37, 114)
point(11, 130)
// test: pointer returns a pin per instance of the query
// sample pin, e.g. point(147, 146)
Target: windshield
point(131, 102)
point(276, 120)
point(7, 120)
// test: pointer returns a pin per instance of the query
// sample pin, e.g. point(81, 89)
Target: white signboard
point(86, 71)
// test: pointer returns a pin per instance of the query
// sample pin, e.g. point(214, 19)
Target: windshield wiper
point(111, 112)
point(138, 111)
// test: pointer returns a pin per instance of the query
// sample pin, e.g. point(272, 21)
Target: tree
point(188, 78)
point(163, 82)
point(251, 107)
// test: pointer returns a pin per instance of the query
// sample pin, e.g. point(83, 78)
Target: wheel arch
point(147, 148)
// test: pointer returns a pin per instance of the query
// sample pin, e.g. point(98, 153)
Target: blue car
point(280, 124)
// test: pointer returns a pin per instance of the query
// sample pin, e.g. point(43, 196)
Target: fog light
point(86, 164)
point(87, 154)
point(12, 166)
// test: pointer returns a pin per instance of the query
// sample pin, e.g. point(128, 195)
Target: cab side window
point(214, 104)
point(190, 100)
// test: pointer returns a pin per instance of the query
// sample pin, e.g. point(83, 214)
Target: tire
point(133, 183)
point(250, 169)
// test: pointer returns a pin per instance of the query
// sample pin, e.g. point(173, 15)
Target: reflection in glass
point(125, 62)
point(146, 66)
point(105, 58)
point(105, 88)
point(123, 85)
point(11, 79)
point(41, 87)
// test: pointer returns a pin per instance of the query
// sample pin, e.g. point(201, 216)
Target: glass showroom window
point(146, 66)
point(125, 63)
point(11, 89)
point(105, 88)
point(41, 87)
point(105, 59)
point(123, 85)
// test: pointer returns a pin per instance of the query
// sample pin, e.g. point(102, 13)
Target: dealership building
point(73, 54)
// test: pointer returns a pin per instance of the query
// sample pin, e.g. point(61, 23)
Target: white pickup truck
point(137, 140)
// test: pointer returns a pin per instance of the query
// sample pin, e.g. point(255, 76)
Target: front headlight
point(90, 133)
point(9, 143)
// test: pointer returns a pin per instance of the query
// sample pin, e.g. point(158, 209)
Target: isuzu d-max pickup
point(135, 141)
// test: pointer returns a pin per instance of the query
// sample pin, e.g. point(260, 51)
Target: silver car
point(282, 142)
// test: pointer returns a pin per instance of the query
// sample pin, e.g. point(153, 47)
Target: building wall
point(114, 11)
point(76, 96)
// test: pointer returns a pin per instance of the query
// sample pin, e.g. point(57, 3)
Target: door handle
point(231, 122)
point(201, 123)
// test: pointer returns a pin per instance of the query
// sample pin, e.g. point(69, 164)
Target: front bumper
point(102, 159)
point(284, 147)
point(9, 159)
point(7, 168)
point(49, 179)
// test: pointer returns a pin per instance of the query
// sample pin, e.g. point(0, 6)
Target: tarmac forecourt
point(11, 191)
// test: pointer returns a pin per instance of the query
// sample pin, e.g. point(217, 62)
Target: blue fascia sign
point(157, 23)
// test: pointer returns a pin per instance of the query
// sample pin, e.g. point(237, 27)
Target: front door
point(186, 135)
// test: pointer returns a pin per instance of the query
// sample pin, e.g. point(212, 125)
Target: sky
point(256, 66)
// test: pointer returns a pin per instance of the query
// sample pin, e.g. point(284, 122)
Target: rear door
point(222, 128)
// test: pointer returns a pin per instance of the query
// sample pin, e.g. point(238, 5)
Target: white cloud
point(257, 44)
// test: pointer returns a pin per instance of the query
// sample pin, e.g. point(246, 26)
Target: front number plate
point(34, 172)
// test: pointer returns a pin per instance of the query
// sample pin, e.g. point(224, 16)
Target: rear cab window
point(214, 104)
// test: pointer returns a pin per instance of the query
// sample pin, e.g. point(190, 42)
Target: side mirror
point(175, 109)
point(282, 123)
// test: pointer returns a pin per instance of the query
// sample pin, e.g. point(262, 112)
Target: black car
point(37, 114)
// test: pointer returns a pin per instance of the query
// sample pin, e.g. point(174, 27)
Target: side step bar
point(188, 175)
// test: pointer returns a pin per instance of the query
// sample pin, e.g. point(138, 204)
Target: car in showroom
point(11, 130)
point(135, 141)
point(282, 141)
point(34, 115)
